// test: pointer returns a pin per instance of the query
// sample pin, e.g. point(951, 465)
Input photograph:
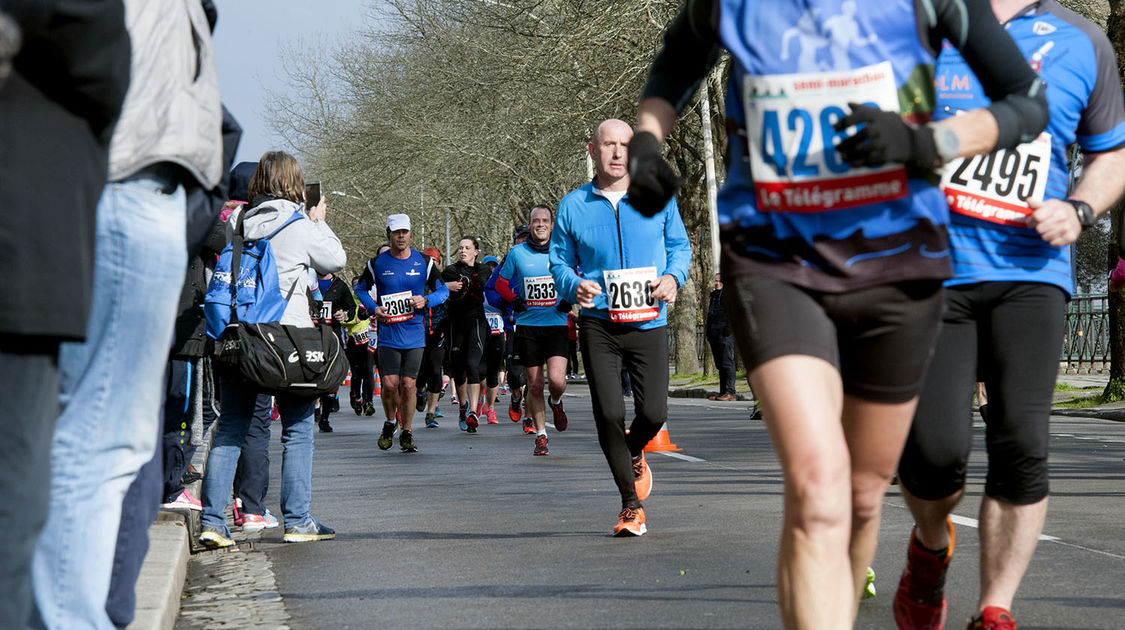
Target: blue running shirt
point(527, 270)
point(395, 281)
point(988, 233)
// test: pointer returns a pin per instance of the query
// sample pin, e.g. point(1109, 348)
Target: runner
point(337, 309)
point(526, 283)
point(468, 328)
point(515, 373)
point(361, 392)
point(429, 378)
point(493, 359)
point(1006, 309)
point(632, 266)
point(834, 240)
point(400, 277)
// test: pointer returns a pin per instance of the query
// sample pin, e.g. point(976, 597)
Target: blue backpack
point(257, 297)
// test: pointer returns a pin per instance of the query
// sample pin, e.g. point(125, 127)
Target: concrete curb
point(161, 582)
point(1116, 415)
point(699, 392)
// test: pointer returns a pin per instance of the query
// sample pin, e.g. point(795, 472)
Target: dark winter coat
point(58, 109)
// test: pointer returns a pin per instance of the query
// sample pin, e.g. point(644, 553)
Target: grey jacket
point(172, 111)
point(302, 246)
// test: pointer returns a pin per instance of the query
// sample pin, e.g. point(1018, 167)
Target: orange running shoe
point(642, 478)
point(630, 522)
point(540, 446)
point(920, 600)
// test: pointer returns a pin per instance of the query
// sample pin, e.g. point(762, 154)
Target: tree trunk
point(1115, 389)
point(684, 318)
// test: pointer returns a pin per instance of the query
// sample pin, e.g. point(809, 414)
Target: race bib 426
point(792, 144)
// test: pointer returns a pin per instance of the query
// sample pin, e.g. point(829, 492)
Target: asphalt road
point(474, 532)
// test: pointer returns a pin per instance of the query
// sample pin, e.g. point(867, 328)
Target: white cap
point(397, 222)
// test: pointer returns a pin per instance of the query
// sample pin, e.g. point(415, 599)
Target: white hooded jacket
point(304, 245)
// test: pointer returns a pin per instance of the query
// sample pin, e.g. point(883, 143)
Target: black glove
point(563, 306)
point(652, 182)
point(885, 137)
point(361, 313)
point(519, 305)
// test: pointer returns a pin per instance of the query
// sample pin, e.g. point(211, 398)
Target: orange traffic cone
point(378, 388)
point(348, 379)
point(662, 442)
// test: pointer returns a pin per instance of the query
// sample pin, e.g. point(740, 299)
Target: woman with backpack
point(304, 241)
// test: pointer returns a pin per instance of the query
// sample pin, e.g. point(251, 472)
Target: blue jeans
point(226, 445)
point(252, 477)
point(111, 394)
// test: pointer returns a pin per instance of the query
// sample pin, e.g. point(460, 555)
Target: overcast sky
point(249, 39)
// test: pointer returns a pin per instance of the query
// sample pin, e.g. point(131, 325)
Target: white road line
point(975, 524)
point(686, 458)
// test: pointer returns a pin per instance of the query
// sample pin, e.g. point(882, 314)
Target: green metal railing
point(1085, 347)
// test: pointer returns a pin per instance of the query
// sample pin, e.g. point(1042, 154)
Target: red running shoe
point(540, 446)
point(561, 421)
point(514, 405)
point(993, 618)
point(920, 600)
point(528, 426)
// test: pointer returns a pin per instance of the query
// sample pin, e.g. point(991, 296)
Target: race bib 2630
point(629, 294)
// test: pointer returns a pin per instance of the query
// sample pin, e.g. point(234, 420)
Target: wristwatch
point(946, 142)
point(1086, 215)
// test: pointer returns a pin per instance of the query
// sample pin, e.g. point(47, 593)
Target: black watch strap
point(1086, 215)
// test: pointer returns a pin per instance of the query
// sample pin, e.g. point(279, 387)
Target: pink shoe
point(236, 512)
point(184, 501)
point(492, 416)
point(256, 523)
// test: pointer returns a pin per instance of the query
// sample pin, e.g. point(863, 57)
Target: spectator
point(721, 340)
point(61, 98)
point(111, 388)
point(276, 192)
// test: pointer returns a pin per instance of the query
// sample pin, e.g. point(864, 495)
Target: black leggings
point(1008, 333)
point(493, 359)
point(606, 348)
point(467, 349)
point(516, 372)
point(362, 362)
point(429, 376)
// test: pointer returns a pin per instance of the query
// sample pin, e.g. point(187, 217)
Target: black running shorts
point(535, 344)
point(880, 338)
point(400, 362)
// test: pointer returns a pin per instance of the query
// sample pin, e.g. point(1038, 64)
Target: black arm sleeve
point(1019, 99)
point(691, 48)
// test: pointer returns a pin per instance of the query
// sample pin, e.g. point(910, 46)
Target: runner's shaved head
point(612, 123)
